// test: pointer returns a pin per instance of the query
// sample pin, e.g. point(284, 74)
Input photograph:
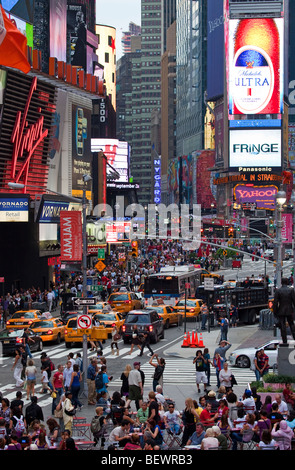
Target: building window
point(106, 57)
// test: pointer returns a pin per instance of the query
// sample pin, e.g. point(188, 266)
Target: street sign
point(84, 301)
point(100, 266)
point(208, 283)
point(84, 321)
point(100, 254)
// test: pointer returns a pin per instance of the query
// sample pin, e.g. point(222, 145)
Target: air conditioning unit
point(260, 213)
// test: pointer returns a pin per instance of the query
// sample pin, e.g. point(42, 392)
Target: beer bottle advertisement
point(256, 66)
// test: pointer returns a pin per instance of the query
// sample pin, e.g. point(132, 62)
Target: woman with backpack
point(98, 426)
point(17, 423)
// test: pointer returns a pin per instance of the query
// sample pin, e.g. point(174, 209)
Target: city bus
point(170, 284)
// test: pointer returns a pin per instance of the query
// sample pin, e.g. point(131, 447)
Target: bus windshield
point(166, 285)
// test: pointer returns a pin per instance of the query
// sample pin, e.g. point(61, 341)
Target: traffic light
point(230, 232)
point(134, 252)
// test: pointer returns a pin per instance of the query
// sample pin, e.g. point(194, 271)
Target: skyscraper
point(191, 52)
point(147, 88)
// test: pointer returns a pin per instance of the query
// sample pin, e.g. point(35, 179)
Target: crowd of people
point(137, 417)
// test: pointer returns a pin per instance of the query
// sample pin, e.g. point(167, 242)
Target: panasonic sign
point(255, 148)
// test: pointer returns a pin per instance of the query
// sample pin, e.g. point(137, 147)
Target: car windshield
point(42, 324)
point(119, 298)
point(11, 333)
point(23, 315)
point(105, 317)
point(138, 319)
point(189, 303)
point(97, 307)
point(158, 309)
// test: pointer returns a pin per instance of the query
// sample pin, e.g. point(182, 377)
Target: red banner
point(71, 236)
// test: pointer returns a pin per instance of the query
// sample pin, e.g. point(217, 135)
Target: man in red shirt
point(58, 386)
point(206, 416)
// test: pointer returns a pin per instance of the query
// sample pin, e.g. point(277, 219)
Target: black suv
point(146, 319)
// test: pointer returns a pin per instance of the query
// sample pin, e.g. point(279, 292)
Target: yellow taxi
point(205, 273)
point(108, 320)
point(23, 318)
point(51, 329)
point(99, 307)
point(74, 335)
point(193, 307)
point(167, 313)
point(123, 302)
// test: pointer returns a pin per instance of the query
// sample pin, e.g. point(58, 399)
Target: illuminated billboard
point(255, 148)
point(58, 29)
point(255, 66)
point(117, 153)
point(264, 197)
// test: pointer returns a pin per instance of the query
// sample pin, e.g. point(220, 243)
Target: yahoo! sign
point(263, 196)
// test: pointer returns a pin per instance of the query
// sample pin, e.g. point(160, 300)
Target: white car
point(244, 357)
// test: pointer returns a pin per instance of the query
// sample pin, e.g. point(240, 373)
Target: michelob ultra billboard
point(255, 66)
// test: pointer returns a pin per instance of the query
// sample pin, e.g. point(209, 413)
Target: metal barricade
point(266, 319)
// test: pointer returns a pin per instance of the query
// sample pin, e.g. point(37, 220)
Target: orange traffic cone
point(194, 343)
point(201, 344)
point(184, 343)
point(188, 340)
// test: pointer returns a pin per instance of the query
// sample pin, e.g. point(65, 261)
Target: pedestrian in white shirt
point(67, 373)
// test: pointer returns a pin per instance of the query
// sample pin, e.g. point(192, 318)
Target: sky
point(118, 13)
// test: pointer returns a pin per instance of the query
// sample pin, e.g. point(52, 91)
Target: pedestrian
point(91, 374)
point(208, 362)
point(68, 411)
point(222, 349)
point(200, 363)
point(17, 368)
point(67, 375)
point(218, 363)
point(234, 316)
point(48, 366)
point(261, 364)
point(224, 324)
point(75, 386)
point(115, 338)
point(44, 380)
point(146, 343)
point(102, 380)
point(135, 341)
point(50, 298)
point(31, 376)
point(225, 377)
point(124, 378)
point(159, 370)
point(26, 341)
point(135, 386)
point(204, 314)
point(79, 361)
point(33, 411)
point(58, 386)
point(283, 309)
point(189, 418)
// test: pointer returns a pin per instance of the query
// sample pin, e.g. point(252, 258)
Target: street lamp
point(280, 200)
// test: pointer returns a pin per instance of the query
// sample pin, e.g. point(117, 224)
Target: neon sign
point(26, 138)
point(157, 180)
point(263, 196)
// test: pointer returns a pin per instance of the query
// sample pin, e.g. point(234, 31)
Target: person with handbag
point(115, 338)
point(135, 339)
point(68, 411)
